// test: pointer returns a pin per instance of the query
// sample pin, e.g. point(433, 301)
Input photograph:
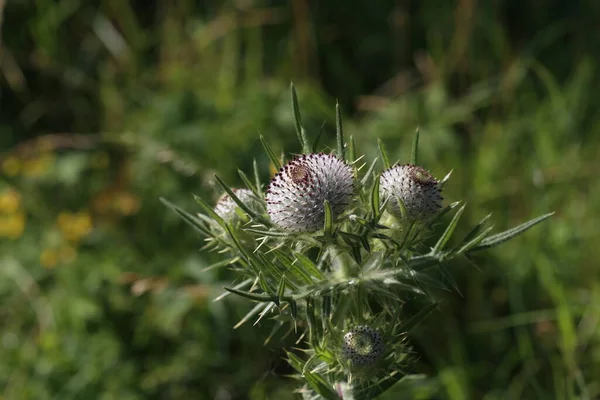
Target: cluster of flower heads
point(296, 195)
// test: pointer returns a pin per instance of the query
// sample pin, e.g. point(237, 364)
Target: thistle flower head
point(363, 346)
point(296, 194)
point(415, 186)
point(225, 207)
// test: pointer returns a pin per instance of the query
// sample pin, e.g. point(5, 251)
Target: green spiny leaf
point(261, 297)
point(272, 157)
point(208, 210)
point(188, 218)
point(339, 132)
point(369, 172)
point(281, 289)
point(375, 205)
point(439, 246)
point(249, 184)
point(257, 178)
point(383, 152)
point(502, 237)
point(475, 241)
point(415, 147)
point(255, 310)
point(315, 145)
point(328, 224)
point(310, 266)
point(300, 131)
point(476, 229)
point(247, 210)
point(351, 151)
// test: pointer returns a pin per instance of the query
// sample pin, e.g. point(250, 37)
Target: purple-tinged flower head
point(296, 194)
point(226, 207)
point(363, 346)
point(415, 186)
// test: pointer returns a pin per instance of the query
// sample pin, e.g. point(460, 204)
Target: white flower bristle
point(415, 186)
point(296, 194)
point(363, 346)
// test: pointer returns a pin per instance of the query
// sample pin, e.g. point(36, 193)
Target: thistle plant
point(330, 249)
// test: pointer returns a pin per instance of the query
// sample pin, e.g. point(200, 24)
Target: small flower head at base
point(418, 190)
point(363, 346)
point(226, 207)
point(296, 194)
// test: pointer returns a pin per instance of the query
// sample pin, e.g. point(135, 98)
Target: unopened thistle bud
point(296, 194)
point(226, 207)
point(363, 346)
point(415, 186)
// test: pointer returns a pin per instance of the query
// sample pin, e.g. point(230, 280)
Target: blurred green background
point(108, 104)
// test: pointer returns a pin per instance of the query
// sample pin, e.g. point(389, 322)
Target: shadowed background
point(108, 104)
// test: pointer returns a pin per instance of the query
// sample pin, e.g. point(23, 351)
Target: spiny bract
point(296, 194)
point(415, 186)
point(225, 207)
point(363, 346)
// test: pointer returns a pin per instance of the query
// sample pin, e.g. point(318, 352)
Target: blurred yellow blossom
point(10, 200)
point(127, 203)
point(67, 254)
point(12, 225)
point(74, 226)
point(11, 166)
point(49, 258)
point(38, 166)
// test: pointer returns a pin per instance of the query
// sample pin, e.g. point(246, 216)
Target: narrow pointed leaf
point(499, 238)
point(315, 381)
point(375, 206)
point(272, 157)
point(281, 288)
point(444, 180)
point(310, 267)
point(261, 297)
point(220, 264)
point(248, 184)
point(208, 210)
point(294, 268)
point(257, 308)
point(383, 152)
point(257, 179)
point(339, 130)
point(315, 145)
point(188, 218)
point(415, 148)
point(351, 150)
point(474, 241)
point(369, 172)
point(247, 210)
point(328, 224)
point(439, 246)
point(300, 131)
point(476, 229)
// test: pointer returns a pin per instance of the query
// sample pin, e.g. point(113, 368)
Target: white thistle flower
point(415, 186)
point(296, 194)
point(225, 207)
point(363, 346)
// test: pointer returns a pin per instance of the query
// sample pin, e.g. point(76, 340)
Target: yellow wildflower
point(10, 200)
point(11, 166)
point(49, 258)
